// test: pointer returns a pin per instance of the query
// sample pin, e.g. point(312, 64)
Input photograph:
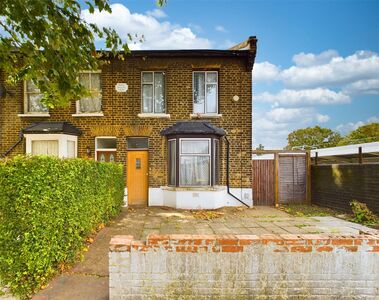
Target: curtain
point(45, 148)
point(91, 103)
point(159, 92)
point(70, 149)
point(194, 170)
point(199, 92)
point(195, 147)
point(147, 98)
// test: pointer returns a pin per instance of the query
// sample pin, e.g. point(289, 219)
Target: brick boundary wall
point(335, 186)
point(270, 266)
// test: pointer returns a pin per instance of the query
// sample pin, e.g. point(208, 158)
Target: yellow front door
point(137, 177)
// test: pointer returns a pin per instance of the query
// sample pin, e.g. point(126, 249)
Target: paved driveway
point(89, 278)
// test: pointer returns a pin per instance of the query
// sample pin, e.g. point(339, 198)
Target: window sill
point(34, 115)
point(89, 115)
point(205, 116)
point(154, 116)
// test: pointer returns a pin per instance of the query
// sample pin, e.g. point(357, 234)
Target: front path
point(89, 278)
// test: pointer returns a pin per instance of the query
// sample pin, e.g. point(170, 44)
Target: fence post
point(308, 180)
point(276, 157)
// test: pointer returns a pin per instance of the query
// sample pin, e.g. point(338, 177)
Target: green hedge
point(48, 206)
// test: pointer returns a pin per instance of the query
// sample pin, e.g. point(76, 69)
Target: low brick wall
point(335, 186)
point(244, 267)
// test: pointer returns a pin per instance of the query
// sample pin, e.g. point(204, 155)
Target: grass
point(305, 210)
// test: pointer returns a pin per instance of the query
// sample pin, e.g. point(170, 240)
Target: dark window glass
point(172, 162)
point(138, 143)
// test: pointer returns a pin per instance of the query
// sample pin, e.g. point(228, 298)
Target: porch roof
point(193, 127)
point(52, 127)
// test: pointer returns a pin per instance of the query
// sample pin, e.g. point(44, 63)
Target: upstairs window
point(91, 103)
point(33, 97)
point(205, 92)
point(153, 92)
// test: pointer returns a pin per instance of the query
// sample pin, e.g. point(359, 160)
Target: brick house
point(180, 121)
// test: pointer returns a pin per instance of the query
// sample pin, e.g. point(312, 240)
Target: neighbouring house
point(180, 121)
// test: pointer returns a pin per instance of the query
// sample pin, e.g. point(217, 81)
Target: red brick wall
point(121, 109)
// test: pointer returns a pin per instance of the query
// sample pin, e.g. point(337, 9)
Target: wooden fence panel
point(292, 179)
point(263, 182)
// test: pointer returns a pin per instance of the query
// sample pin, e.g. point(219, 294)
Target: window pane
point(90, 105)
point(106, 143)
point(70, 149)
point(199, 92)
point(138, 143)
point(195, 147)
point(147, 77)
point(216, 162)
point(84, 80)
point(147, 98)
point(31, 87)
point(172, 162)
point(45, 148)
point(212, 77)
point(211, 98)
point(194, 170)
point(34, 103)
point(95, 82)
point(159, 86)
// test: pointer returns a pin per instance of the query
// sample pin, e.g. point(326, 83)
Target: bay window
point(193, 156)
point(193, 161)
point(153, 92)
point(205, 92)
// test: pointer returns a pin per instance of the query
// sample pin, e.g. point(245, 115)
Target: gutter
point(21, 137)
point(227, 172)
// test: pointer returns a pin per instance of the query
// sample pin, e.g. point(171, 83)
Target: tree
point(260, 147)
point(48, 42)
point(312, 137)
point(364, 134)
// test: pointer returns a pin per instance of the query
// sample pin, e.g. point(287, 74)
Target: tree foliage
point(364, 134)
point(48, 42)
point(312, 137)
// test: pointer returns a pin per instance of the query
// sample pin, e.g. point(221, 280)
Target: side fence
point(244, 267)
point(335, 186)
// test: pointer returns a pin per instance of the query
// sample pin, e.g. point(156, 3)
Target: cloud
point(220, 28)
point(265, 71)
point(356, 73)
point(271, 128)
point(368, 86)
point(339, 71)
point(156, 13)
point(347, 127)
point(158, 35)
point(316, 96)
point(309, 59)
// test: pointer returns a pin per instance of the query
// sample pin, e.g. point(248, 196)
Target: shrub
point(362, 214)
point(48, 206)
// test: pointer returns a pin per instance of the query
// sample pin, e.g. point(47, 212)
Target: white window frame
point(196, 154)
point(163, 114)
point(86, 114)
point(104, 149)
point(205, 89)
point(26, 112)
point(61, 138)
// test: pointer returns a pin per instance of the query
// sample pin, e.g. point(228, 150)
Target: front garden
point(48, 207)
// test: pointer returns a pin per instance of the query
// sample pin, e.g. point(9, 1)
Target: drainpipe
point(227, 172)
point(21, 136)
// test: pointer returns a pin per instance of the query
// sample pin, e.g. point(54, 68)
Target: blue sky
point(317, 61)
